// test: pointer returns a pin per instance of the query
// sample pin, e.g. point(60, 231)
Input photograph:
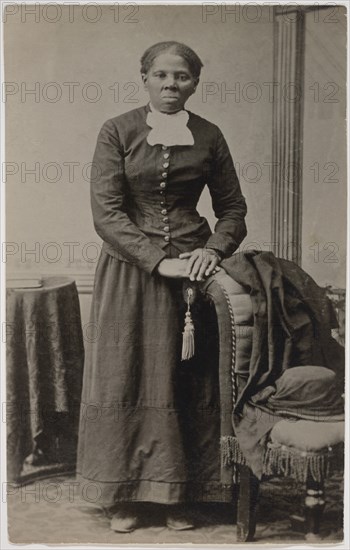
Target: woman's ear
point(195, 84)
point(144, 80)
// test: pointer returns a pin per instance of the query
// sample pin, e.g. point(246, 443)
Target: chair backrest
point(235, 321)
point(235, 326)
point(240, 303)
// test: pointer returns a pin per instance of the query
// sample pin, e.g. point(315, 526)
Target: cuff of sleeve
point(146, 258)
point(154, 260)
point(216, 242)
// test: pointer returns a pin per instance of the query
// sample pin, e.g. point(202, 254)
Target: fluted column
point(288, 97)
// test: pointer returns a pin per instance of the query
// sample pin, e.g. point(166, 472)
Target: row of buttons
point(162, 186)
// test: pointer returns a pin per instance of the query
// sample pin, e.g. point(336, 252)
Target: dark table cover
point(45, 355)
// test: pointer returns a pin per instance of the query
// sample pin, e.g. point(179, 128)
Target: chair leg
point(247, 503)
point(313, 510)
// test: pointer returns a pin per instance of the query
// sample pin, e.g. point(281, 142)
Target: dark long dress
point(149, 425)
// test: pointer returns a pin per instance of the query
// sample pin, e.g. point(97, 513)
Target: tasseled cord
point(188, 333)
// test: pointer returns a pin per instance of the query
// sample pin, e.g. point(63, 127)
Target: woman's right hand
point(173, 267)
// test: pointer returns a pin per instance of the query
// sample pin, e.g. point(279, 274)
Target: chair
point(290, 451)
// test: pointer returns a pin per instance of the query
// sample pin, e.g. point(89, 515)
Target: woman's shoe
point(178, 520)
point(124, 521)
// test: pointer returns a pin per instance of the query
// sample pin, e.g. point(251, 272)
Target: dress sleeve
point(228, 202)
point(111, 220)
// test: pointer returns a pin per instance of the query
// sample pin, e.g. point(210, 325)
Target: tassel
point(230, 451)
point(188, 333)
point(289, 462)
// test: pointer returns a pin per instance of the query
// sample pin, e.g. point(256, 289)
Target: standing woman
point(149, 427)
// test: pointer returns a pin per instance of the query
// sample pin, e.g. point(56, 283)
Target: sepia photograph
point(173, 275)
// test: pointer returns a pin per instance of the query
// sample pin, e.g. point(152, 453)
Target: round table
point(45, 356)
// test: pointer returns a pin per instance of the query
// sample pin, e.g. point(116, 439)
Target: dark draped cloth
point(293, 319)
point(45, 357)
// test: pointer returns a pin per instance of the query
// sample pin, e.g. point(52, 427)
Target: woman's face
point(169, 83)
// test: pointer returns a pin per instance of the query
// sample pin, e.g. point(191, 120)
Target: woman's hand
point(201, 262)
point(173, 267)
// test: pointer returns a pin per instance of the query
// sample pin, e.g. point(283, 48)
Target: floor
point(49, 512)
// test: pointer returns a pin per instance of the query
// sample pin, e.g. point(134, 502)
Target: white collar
point(168, 129)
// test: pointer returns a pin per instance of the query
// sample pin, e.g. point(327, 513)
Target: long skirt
point(149, 422)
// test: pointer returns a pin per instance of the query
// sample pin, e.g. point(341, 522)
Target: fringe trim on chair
point(230, 451)
point(289, 462)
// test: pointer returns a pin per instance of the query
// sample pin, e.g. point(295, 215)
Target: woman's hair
point(176, 48)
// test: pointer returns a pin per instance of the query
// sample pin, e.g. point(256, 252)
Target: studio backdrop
point(274, 84)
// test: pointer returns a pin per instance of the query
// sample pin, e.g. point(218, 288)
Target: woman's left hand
point(201, 262)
